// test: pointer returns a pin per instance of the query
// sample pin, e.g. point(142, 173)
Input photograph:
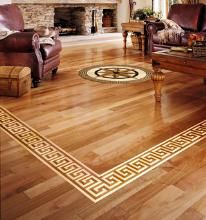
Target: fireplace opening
point(70, 20)
point(109, 20)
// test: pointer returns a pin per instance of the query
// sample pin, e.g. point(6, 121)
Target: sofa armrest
point(20, 42)
point(153, 27)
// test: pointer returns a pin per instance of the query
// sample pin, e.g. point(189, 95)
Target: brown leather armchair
point(190, 17)
point(23, 48)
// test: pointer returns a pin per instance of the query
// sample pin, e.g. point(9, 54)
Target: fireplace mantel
point(65, 1)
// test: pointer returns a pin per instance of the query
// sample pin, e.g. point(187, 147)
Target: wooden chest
point(14, 81)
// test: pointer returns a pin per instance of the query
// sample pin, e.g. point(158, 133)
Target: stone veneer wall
point(36, 14)
point(66, 1)
point(43, 14)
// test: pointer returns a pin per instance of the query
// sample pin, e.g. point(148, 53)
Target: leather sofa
point(23, 47)
point(190, 17)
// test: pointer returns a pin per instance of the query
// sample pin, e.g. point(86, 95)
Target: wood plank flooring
point(102, 125)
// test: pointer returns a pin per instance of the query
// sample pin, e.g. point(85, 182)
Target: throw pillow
point(5, 33)
point(44, 31)
point(46, 40)
point(171, 33)
point(170, 24)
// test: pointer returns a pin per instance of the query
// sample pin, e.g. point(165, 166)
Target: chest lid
point(14, 72)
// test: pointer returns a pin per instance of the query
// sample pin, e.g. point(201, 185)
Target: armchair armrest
point(153, 27)
point(20, 42)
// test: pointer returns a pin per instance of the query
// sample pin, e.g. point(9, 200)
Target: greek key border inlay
point(93, 185)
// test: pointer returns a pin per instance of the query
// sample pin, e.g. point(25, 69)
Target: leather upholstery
point(203, 20)
point(23, 48)
point(153, 27)
point(191, 17)
point(49, 51)
point(54, 61)
point(11, 18)
point(186, 16)
point(18, 42)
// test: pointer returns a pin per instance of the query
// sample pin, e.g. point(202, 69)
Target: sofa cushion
point(186, 15)
point(49, 51)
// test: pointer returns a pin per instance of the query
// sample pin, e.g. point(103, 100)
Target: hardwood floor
point(103, 125)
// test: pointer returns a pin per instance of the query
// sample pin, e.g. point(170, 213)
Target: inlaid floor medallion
point(115, 74)
point(93, 185)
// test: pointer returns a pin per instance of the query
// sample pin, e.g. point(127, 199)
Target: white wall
point(122, 13)
point(2, 2)
point(143, 4)
point(123, 10)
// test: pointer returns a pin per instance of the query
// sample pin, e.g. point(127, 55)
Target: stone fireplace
point(71, 16)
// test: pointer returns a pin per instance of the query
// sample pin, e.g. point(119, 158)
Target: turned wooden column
point(204, 80)
point(124, 34)
point(158, 79)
